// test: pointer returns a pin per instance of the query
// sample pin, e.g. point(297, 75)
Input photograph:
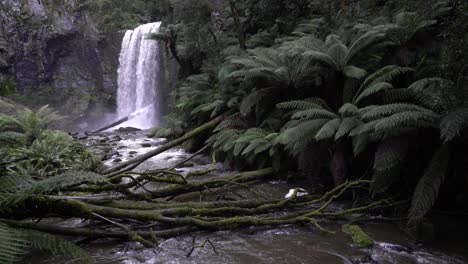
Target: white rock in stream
point(300, 192)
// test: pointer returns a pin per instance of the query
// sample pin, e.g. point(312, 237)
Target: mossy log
point(177, 186)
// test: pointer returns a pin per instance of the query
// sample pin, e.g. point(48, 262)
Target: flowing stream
point(286, 244)
point(139, 77)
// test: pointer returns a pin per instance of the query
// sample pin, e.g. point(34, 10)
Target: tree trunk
point(240, 30)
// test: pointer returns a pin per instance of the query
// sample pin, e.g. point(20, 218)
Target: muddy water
point(288, 244)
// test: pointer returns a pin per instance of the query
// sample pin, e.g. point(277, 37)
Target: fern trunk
point(339, 165)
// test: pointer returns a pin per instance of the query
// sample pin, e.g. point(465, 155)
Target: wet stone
point(127, 129)
point(362, 259)
point(117, 160)
point(145, 145)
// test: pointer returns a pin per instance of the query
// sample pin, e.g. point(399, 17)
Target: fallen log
point(131, 164)
point(116, 123)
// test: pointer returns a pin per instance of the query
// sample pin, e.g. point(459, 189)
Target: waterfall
point(139, 77)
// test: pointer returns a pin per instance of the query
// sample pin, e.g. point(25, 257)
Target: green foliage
point(54, 152)
point(427, 190)
point(7, 87)
point(17, 188)
point(28, 122)
point(354, 80)
point(14, 243)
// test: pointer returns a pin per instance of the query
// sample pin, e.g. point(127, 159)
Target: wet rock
point(104, 140)
point(146, 145)
point(187, 165)
point(133, 152)
point(117, 160)
point(115, 139)
point(127, 129)
point(362, 258)
point(360, 238)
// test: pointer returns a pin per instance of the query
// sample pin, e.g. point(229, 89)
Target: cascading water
point(139, 77)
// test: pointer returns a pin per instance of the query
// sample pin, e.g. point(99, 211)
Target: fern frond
point(12, 244)
point(390, 154)
point(348, 110)
point(328, 130)
point(347, 125)
point(13, 138)
point(427, 190)
point(314, 114)
point(453, 123)
point(386, 74)
point(56, 245)
point(391, 109)
point(371, 90)
point(407, 119)
point(297, 137)
point(360, 143)
point(298, 105)
point(354, 72)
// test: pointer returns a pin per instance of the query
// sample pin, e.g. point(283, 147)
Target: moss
point(360, 238)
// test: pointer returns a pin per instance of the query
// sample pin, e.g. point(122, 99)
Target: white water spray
point(138, 77)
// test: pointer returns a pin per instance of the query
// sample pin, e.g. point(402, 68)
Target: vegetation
point(371, 85)
point(371, 97)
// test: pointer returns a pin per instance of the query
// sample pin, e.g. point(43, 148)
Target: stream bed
point(286, 244)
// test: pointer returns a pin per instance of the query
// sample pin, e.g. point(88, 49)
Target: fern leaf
point(298, 105)
point(329, 130)
point(371, 90)
point(348, 110)
point(453, 123)
point(360, 143)
point(314, 114)
point(347, 125)
point(390, 109)
point(427, 190)
point(354, 72)
point(12, 244)
point(390, 154)
point(56, 245)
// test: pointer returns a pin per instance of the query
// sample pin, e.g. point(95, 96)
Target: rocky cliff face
point(56, 47)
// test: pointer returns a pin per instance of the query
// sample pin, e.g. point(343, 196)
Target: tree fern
point(428, 187)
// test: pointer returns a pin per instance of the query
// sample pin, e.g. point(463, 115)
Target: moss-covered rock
point(360, 238)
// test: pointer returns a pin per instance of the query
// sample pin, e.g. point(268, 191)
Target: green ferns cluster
point(34, 161)
point(29, 148)
point(370, 84)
